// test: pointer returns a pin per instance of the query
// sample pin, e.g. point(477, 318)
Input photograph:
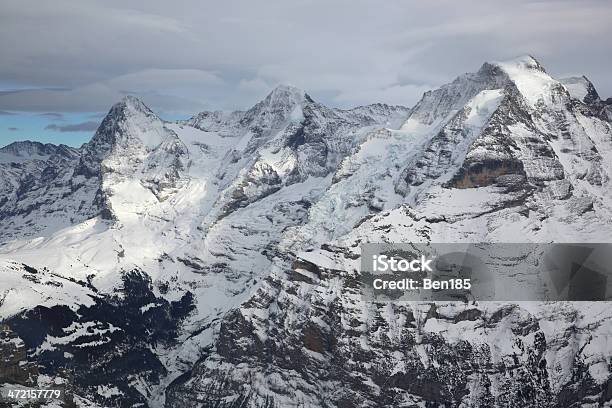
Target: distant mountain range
point(212, 262)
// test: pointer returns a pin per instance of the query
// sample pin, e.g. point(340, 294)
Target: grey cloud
point(13, 129)
point(87, 101)
point(75, 127)
point(4, 113)
point(228, 55)
point(165, 90)
point(53, 115)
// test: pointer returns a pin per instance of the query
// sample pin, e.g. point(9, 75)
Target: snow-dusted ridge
point(222, 250)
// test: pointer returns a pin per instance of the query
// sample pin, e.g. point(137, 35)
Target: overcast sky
point(74, 59)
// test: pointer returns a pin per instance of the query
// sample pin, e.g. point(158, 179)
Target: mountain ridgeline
point(213, 262)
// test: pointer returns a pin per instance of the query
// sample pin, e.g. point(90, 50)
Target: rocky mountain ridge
point(222, 250)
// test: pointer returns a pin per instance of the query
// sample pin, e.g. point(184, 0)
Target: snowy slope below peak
point(580, 88)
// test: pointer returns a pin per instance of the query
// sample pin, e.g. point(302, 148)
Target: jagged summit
point(523, 77)
point(129, 114)
point(581, 88)
point(17, 152)
point(130, 105)
point(284, 93)
point(17, 147)
point(282, 98)
point(274, 108)
point(279, 106)
point(28, 148)
point(128, 125)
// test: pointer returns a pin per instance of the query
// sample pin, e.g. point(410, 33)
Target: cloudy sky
point(64, 63)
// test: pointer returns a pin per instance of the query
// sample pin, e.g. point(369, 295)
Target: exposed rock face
point(14, 367)
point(214, 261)
point(38, 193)
point(486, 172)
point(107, 342)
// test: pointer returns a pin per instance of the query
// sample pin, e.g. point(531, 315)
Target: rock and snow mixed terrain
point(213, 261)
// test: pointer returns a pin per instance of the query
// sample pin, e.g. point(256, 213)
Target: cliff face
point(14, 365)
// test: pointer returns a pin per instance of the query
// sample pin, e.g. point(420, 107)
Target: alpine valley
point(214, 262)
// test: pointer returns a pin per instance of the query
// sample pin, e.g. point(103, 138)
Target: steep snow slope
point(580, 88)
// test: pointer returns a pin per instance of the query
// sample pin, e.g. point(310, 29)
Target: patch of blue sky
point(51, 127)
point(70, 128)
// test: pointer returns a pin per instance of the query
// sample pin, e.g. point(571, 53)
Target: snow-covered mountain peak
point(131, 122)
point(581, 88)
point(522, 63)
point(531, 79)
point(132, 104)
point(129, 126)
point(282, 104)
point(283, 94)
point(437, 106)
